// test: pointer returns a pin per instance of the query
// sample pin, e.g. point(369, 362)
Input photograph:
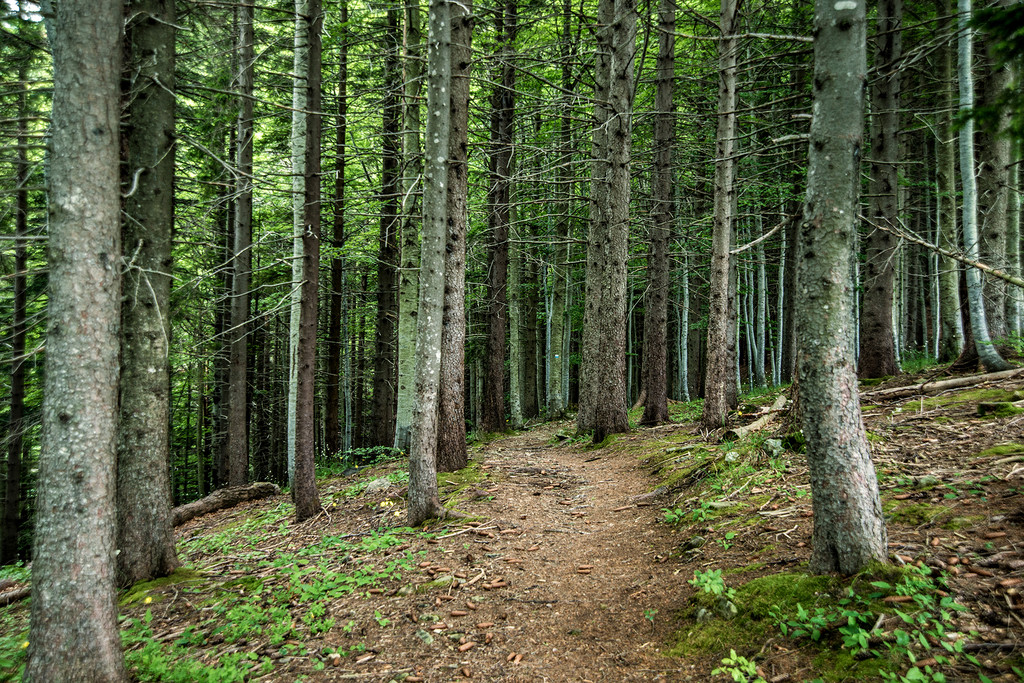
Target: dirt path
point(587, 595)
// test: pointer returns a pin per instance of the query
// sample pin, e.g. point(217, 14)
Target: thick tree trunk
point(73, 634)
point(451, 428)
point(849, 531)
point(979, 324)
point(409, 277)
point(384, 367)
point(877, 343)
point(655, 359)
point(603, 382)
point(720, 383)
point(145, 537)
point(493, 418)
point(238, 420)
point(424, 502)
point(307, 501)
point(335, 344)
point(223, 498)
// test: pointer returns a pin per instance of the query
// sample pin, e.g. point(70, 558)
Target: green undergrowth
point(968, 396)
point(148, 589)
point(1002, 450)
point(878, 625)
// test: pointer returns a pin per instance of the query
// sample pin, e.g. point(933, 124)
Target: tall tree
point(409, 277)
point(387, 259)
point(451, 425)
point(335, 345)
point(877, 343)
point(307, 501)
point(300, 67)
point(503, 110)
point(603, 381)
point(73, 633)
point(238, 422)
point(975, 301)
point(145, 533)
point(849, 531)
point(16, 416)
point(424, 502)
point(951, 332)
point(655, 358)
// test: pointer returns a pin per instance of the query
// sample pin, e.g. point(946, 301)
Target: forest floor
point(571, 569)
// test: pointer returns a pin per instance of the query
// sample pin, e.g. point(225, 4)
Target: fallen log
point(941, 385)
point(13, 596)
point(737, 433)
point(223, 498)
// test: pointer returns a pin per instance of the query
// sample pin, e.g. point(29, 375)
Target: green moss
point(1001, 450)
point(962, 397)
point(965, 522)
point(875, 437)
point(999, 409)
point(140, 590)
point(915, 514)
point(753, 624)
point(833, 665)
point(873, 381)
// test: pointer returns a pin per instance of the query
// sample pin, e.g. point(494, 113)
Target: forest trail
point(582, 559)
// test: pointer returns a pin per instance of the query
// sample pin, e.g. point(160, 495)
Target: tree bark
point(223, 498)
point(655, 350)
point(877, 343)
point(304, 493)
point(951, 332)
point(849, 531)
point(424, 502)
point(238, 422)
point(603, 381)
point(384, 366)
point(975, 298)
point(409, 278)
point(73, 633)
point(493, 418)
point(335, 344)
point(145, 537)
point(451, 428)
point(720, 381)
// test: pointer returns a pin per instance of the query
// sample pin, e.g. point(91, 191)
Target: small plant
point(381, 620)
point(672, 515)
point(649, 615)
point(726, 542)
point(739, 668)
point(712, 583)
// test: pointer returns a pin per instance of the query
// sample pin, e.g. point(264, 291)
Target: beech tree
point(849, 531)
point(73, 633)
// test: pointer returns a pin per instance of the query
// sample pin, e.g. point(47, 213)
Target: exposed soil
point(570, 573)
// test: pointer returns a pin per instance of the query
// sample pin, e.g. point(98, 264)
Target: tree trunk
point(16, 425)
point(493, 418)
point(307, 501)
point(655, 359)
point(994, 157)
point(424, 502)
point(979, 325)
point(409, 277)
point(603, 381)
point(335, 344)
point(145, 537)
point(451, 428)
point(720, 383)
point(73, 633)
point(238, 422)
point(877, 346)
point(951, 332)
point(849, 531)
point(387, 262)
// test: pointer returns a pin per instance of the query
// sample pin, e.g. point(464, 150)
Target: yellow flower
point(148, 600)
point(24, 645)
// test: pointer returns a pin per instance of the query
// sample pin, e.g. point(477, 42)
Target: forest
point(248, 246)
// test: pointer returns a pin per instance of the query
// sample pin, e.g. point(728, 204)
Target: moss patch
point(1001, 450)
point(754, 600)
point(140, 591)
point(915, 514)
point(972, 396)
